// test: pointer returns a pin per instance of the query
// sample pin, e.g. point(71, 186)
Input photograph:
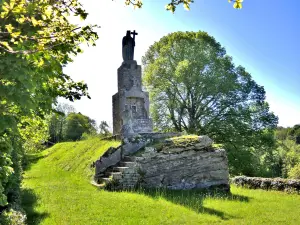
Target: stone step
point(114, 175)
point(120, 169)
point(110, 169)
point(128, 159)
point(127, 164)
point(101, 186)
point(104, 180)
point(111, 173)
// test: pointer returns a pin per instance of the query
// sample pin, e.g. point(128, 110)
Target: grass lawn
point(56, 190)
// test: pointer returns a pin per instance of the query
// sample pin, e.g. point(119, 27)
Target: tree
point(295, 172)
point(237, 4)
point(281, 133)
point(103, 128)
point(36, 42)
point(295, 133)
point(289, 153)
point(57, 121)
point(195, 87)
point(34, 133)
point(77, 124)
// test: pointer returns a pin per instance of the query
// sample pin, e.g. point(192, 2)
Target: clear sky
point(264, 37)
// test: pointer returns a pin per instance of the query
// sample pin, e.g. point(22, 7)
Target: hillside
point(56, 190)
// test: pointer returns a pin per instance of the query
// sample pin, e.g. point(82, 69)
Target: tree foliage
point(34, 132)
point(103, 128)
point(171, 6)
point(195, 87)
point(77, 124)
point(65, 124)
point(288, 149)
point(294, 173)
point(36, 42)
point(57, 122)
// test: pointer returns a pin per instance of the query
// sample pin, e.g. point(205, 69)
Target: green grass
point(56, 190)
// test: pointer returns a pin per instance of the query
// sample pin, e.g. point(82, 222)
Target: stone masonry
point(131, 103)
point(173, 163)
point(153, 160)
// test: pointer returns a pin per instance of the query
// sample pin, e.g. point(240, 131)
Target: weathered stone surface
point(204, 141)
point(110, 159)
point(131, 103)
point(279, 184)
point(130, 145)
point(134, 143)
point(187, 170)
point(180, 144)
point(189, 162)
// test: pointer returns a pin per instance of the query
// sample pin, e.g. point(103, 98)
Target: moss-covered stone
point(184, 140)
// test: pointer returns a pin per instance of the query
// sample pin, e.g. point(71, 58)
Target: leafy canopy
point(237, 4)
point(57, 122)
point(195, 87)
point(36, 42)
point(77, 124)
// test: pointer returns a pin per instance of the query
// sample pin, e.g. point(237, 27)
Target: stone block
point(104, 162)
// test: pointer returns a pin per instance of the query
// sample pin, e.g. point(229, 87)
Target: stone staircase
point(123, 175)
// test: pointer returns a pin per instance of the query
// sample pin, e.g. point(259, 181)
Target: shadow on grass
point(31, 159)
point(29, 200)
point(193, 199)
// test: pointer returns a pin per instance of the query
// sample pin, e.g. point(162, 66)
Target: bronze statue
point(128, 44)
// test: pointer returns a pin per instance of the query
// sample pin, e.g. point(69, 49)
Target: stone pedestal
point(130, 104)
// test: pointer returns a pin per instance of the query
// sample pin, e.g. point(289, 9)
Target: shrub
point(295, 172)
point(13, 216)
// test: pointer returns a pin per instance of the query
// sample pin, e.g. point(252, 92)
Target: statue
point(128, 44)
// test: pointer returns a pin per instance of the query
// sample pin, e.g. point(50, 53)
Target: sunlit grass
point(56, 190)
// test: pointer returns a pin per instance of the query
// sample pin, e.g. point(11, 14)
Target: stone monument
point(130, 103)
point(151, 159)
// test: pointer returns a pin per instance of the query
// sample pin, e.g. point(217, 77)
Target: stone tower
point(130, 103)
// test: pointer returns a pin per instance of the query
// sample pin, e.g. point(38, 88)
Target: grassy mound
point(56, 190)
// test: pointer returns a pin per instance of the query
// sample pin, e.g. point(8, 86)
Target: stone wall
point(142, 125)
point(130, 145)
point(110, 158)
point(131, 103)
point(278, 184)
point(129, 74)
point(183, 162)
point(117, 123)
point(183, 169)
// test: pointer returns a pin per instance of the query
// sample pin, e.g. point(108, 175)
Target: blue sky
point(262, 37)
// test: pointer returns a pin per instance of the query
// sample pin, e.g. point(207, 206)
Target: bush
point(13, 216)
point(10, 179)
point(295, 172)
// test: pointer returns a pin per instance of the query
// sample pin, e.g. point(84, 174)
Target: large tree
point(77, 124)
point(36, 42)
point(195, 87)
point(57, 122)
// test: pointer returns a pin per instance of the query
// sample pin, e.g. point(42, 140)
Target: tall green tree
point(103, 128)
point(36, 42)
point(195, 87)
point(57, 121)
point(77, 124)
point(295, 133)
